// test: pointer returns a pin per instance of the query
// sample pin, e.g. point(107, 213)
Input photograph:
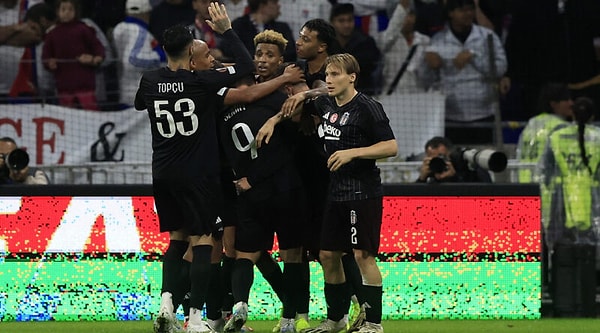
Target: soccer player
point(181, 106)
point(317, 41)
point(269, 186)
point(356, 133)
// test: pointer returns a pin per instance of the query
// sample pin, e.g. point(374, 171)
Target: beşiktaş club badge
point(344, 119)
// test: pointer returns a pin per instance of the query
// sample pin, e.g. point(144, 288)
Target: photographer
point(14, 166)
point(442, 165)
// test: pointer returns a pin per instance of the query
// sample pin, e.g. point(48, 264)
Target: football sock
point(226, 271)
point(200, 275)
point(271, 271)
point(183, 288)
point(304, 288)
point(352, 272)
point(242, 278)
point(372, 298)
point(338, 300)
point(292, 275)
point(173, 264)
point(214, 296)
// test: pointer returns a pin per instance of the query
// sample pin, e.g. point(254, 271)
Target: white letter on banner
point(77, 222)
point(10, 205)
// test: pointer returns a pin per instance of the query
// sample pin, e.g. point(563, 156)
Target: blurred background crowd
point(488, 59)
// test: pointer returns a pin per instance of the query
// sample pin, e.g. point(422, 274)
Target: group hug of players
point(253, 147)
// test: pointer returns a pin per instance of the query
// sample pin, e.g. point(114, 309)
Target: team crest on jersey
point(344, 119)
point(333, 118)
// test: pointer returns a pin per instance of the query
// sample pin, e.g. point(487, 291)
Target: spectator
point(136, 48)
point(103, 72)
point(460, 55)
point(371, 16)
point(203, 31)
point(361, 46)
point(431, 15)
point(27, 83)
point(168, 13)
point(14, 166)
point(443, 165)
point(16, 35)
point(262, 15)
point(72, 51)
point(400, 44)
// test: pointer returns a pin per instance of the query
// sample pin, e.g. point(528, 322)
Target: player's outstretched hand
point(293, 74)
point(219, 21)
point(292, 103)
point(265, 132)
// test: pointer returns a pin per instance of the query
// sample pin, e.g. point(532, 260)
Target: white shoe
point(165, 322)
point(238, 318)
point(217, 325)
point(288, 325)
point(329, 326)
point(202, 327)
point(368, 327)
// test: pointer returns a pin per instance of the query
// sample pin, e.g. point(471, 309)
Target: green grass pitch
point(396, 326)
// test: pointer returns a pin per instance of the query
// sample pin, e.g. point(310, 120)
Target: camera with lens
point(17, 160)
point(487, 159)
point(438, 164)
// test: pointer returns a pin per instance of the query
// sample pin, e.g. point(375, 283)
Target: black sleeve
point(139, 103)
point(223, 77)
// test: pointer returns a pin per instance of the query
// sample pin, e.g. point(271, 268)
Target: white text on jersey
point(167, 87)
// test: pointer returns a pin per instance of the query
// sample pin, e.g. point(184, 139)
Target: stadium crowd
point(506, 49)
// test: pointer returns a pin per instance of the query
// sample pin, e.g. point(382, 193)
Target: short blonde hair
point(271, 37)
point(345, 61)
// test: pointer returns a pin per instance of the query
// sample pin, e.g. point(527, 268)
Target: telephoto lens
point(17, 159)
point(438, 164)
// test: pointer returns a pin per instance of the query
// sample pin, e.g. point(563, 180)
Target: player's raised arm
point(244, 64)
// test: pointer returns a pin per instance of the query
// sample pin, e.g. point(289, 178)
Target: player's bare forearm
point(379, 150)
point(293, 105)
point(255, 92)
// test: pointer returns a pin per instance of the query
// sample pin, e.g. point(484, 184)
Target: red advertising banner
point(129, 224)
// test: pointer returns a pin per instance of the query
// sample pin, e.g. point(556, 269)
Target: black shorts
point(181, 204)
point(259, 220)
point(352, 225)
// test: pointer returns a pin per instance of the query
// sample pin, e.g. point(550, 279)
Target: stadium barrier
point(93, 253)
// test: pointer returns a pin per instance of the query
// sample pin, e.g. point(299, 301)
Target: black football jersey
point(268, 168)
point(361, 122)
point(182, 107)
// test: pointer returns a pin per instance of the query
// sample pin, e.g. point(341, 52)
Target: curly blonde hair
point(271, 37)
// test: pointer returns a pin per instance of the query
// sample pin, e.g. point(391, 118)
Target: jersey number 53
point(167, 126)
